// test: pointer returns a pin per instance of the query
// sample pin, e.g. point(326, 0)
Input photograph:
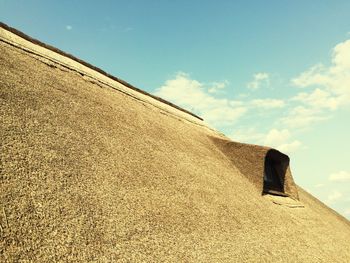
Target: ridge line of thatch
point(99, 70)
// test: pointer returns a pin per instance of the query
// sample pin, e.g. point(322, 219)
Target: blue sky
point(268, 72)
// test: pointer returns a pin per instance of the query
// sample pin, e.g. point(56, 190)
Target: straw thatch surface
point(90, 174)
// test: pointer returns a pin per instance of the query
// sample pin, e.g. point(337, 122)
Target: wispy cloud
point(341, 176)
point(205, 99)
point(329, 89)
point(334, 196)
point(279, 139)
point(301, 117)
point(259, 79)
point(289, 147)
point(326, 89)
point(268, 103)
point(128, 29)
point(217, 87)
point(197, 97)
point(335, 191)
point(110, 27)
point(223, 113)
point(249, 134)
point(318, 98)
point(319, 185)
point(69, 27)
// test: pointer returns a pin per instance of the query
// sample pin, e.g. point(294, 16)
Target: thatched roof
point(94, 171)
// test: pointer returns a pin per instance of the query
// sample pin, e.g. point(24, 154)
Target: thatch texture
point(92, 174)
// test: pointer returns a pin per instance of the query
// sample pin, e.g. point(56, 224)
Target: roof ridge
point(90, 66)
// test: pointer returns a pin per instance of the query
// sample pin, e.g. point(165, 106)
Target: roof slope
point(18, 38)
point(91, 173)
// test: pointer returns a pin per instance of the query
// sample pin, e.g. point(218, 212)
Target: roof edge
point(90, 66)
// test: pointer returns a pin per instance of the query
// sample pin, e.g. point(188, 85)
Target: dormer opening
point(275, 168)
point(266, 168)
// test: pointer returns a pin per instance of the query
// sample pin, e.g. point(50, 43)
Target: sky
point(273, 73)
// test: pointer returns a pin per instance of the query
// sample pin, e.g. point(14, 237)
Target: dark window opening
point(275, 168)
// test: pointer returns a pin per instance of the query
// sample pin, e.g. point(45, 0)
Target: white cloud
point(222, 113)
point(317, 99)
point(341, 176)
point(332, 83)
point(192, 95)
point(302, 117)
point(316, 74)
point(217, 87)
point(259, 79)
point(69, 27)
point(319, 185)
point(268, 103)
point(334, 196)
point(347, 211)
point(290, 147)
point(341, 57)
point(330, 90)
point(279, 139)
point(248, 135)
point(203, 100)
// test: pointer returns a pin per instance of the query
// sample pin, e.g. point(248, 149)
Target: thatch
point(90, 173)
